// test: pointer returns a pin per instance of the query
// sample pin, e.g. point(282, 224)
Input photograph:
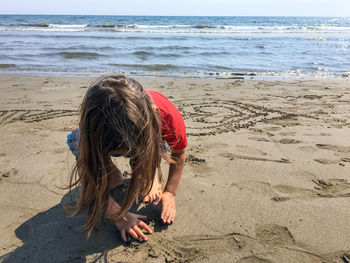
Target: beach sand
point(267, 177)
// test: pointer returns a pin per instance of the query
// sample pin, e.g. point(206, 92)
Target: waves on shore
point(179, 29)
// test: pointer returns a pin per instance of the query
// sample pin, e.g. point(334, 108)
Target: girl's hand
point(169, 207)
point(131, 224)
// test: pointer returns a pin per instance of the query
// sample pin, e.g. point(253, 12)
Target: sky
point(180, 7)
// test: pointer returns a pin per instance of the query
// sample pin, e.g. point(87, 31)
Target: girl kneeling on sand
point(118, 117)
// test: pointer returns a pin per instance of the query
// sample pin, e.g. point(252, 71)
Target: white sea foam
point(67, 26)
point(160, 26)
point(230, 31)
point(45, 29)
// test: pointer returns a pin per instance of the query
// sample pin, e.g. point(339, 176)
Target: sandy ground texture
point(267, 177)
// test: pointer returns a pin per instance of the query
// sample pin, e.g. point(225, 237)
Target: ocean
point(252, 47)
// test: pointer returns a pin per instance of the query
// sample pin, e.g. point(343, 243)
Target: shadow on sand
point(51, 236)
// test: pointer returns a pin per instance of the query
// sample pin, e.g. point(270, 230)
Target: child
point(118, 117)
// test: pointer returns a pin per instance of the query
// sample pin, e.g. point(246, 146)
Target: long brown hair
point(116, 113)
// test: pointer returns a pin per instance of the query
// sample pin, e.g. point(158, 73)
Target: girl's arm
point(175, 171)
point(174, 177)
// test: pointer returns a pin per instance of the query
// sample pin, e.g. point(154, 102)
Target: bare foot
point(156, 191)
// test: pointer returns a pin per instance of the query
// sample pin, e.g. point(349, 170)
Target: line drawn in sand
point(210, 117)
point(28, 116)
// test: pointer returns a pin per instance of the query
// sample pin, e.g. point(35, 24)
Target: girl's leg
point(115, 178)
point(157, 187)
point(156, 191)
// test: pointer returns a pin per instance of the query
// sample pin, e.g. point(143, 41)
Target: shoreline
point(266, 177)
point(239, 76)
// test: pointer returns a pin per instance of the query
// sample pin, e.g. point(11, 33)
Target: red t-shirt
point(173, 125)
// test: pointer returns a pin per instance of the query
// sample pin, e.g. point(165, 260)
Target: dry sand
point(266, 180)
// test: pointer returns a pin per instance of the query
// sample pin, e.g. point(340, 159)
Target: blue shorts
point(73, 144)
point(73, 141)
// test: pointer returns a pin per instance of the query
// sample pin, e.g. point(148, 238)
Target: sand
point(266, 179)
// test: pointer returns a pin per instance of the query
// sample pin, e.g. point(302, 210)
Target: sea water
point(176, 45)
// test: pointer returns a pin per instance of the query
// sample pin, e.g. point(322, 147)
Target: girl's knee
point(73, 141)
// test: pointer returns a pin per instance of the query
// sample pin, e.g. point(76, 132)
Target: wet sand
point(266, 179)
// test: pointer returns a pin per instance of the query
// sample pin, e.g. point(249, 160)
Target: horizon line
point(172, 15)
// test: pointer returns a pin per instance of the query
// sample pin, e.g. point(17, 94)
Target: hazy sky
point(180, 7)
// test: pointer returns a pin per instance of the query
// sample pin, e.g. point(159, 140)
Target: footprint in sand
point(289, 141)
point(8, 173)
